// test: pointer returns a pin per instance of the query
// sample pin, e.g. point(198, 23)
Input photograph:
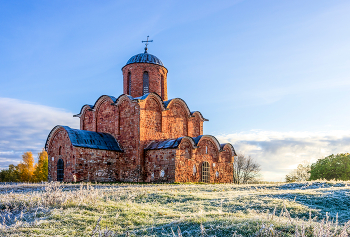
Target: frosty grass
point(86, 209)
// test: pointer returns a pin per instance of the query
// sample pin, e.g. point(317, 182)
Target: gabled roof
point(89, 139)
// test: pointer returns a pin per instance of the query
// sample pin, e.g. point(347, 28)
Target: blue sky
point(273, 77)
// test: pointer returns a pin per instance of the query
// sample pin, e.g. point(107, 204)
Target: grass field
point(296, 209)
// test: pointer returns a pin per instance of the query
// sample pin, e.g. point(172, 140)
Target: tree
point(26, 167)
point(301, 173)
point(332, 167)
point(41, 168)
point(10, 175)
point(245, 169)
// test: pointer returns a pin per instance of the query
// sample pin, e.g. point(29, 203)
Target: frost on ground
point(54, 209)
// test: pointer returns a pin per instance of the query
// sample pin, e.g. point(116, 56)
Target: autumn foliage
point(27, 170)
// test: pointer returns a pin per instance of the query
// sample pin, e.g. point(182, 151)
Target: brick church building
point(140, 136)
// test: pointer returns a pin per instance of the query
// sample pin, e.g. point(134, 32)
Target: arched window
point(60, 170)
point(60, 150)
point(129, 83)
point(145, 83)
point(162, 86)
point(205, 172)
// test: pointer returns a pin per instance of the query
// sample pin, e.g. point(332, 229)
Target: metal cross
point(147, 41)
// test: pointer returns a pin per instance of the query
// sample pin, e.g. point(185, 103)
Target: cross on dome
point(147, 41)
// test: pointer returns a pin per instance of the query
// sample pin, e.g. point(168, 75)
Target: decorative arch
point(227, 152)
point(51, 135)
point(152, 120)
point(177, 117)
point(106, 116)
point(179, 101)
point(102, 99)
point(211, 138)
point(199, 114)
point(185, 147)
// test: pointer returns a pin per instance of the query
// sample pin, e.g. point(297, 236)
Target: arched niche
point(152, 115)
point(106, 117)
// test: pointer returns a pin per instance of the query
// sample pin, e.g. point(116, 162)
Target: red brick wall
point(151, 120)
point(195, 126)
point(88, 121)
point(158, 161)
point(175, 121)
point(107, 117)
point(129, 138)
point(60, 142)
point(86, 164)
point(184, 171)
point(95, 165)
point(155, 73)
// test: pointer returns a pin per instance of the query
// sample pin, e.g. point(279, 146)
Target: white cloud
point(279, 152)
point(25, 126)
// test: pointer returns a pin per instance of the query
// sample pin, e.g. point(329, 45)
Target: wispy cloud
point(24, 126)
point(279, 152)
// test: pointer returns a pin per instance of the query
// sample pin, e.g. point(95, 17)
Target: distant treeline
point(333, 167)
point(27, 170)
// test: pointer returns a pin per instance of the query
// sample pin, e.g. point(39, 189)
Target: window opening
point(162, 86)
point(60, 151)
point(205, 172)
point(206, 150)
point(60, 170)
point(145, 83)
point(129, 83)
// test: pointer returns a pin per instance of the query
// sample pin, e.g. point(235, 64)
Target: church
point(140, 136)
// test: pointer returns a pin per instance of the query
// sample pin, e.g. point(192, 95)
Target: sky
point(272, 77)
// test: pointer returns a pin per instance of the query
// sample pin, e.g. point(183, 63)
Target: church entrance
point(205, 172)
point(60, 170)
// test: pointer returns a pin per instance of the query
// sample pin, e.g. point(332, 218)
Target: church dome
point(144, 58)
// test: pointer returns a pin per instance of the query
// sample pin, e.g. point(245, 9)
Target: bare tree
point(245, 169)
point(300, 174)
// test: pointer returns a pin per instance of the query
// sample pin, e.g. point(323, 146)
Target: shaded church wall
point(160, 165)
point(88, 121)
point(96, 165)
point(60, 147)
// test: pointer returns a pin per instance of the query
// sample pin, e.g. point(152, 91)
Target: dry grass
point(54, 209)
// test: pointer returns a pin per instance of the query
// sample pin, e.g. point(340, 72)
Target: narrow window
point(60, 170)
point(129, 83)
point(162, 87)
point(145, 83)
point(206, 150)
point(60, 151)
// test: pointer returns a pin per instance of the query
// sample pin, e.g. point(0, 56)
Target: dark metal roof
point(145, 58)
point(94, 140)
point(170, 143)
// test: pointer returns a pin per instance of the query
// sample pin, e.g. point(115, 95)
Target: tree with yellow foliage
point(26, 167)
point(41, 168)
